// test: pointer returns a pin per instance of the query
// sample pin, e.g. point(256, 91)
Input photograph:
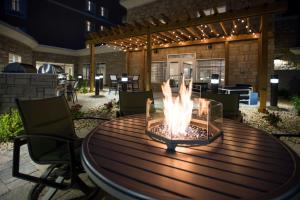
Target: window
point(158, 72)
point(86, 71)
point(102, 11)
point(206, 67)
point(88, 26)
point(89, 5)
point(14, 58)
point(101, 28)
point(15, 5)
point(101, 69)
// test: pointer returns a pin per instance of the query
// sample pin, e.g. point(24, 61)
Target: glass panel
point(14, 58)
point(158, 72)
point(101, 69)
point(187, 70)
point(85, 71)
point(205, 68)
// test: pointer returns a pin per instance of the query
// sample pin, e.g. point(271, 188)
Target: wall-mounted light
point(79, 76)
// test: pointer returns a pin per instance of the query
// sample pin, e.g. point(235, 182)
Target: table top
point(247, 163)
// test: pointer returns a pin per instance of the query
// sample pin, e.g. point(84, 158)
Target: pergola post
point(148, 64)
point(263, 65)
point(226, 45)
point(92, 67)
point(126, 70)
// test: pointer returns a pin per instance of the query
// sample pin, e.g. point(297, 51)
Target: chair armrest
point(98, 118)
point(47, 136)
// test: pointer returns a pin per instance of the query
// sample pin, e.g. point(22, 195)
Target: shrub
point(11, 125)
point(296, 102)
point(272, 118)
point(83, 87)
point(76, 111)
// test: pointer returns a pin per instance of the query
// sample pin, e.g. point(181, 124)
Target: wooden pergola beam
point(195, 31)
point(209, 41)
point(161, 37)
point(243, 13)
point(222, 24)
point(235, 27)
point(213, 30)
point(92, 67)
point(263, 66)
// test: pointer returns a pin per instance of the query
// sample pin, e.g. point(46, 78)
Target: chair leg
point(89, 191)
point(76, 96)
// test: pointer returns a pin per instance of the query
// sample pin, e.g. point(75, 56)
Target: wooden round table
point(247, 164)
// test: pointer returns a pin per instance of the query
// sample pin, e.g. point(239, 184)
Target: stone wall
point(56, 58)
point(115, 62)
point(243, 59)
point(177, 8)
point(8, 45)
point(25, 86)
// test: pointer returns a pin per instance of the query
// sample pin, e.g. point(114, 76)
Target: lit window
point(14, 58)
point(102, 11)
point(88, 25)
point(209, 11)
point(221, 9)
point(89, 5)
point(15, 5)
point(101, 28)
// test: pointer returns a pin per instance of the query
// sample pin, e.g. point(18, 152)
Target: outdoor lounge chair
point(133, 102)
point(50, 135)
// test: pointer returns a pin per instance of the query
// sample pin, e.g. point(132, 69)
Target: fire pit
point(183, 121)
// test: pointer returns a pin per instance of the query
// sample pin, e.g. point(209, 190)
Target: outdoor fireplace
point(182, 120)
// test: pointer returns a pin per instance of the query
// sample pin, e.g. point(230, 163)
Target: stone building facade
point(16, 42)
point(181, 7)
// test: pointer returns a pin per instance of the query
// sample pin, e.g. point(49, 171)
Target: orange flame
point(177, 110)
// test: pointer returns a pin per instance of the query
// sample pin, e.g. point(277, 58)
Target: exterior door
point(101, 69)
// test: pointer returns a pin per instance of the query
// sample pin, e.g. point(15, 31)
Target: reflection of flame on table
point(183, 121)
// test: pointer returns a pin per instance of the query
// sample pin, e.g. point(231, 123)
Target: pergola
point(217, 26)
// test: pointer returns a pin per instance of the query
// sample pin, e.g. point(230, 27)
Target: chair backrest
point(134, 102)
point(113, 77)
point(230, 102)
point(75, 85)
point(135, 77)
point(49, 116)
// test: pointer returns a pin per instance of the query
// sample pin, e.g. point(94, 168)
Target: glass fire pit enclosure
point(203, 126)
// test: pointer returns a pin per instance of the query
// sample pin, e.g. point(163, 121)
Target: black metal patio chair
point(72, 88)
point(133, 102)
point(51, 139)
point(114, 84)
